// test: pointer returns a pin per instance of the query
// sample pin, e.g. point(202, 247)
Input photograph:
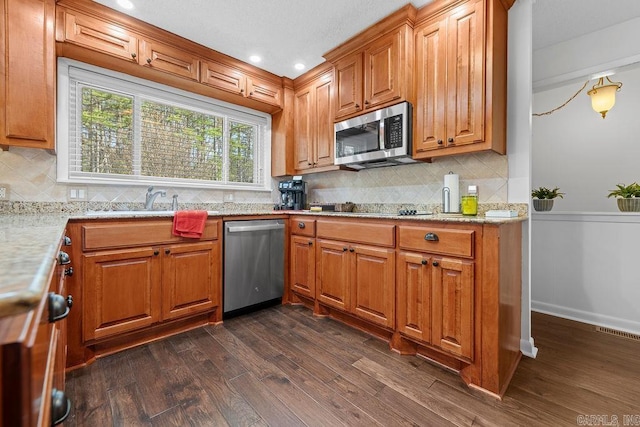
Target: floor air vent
point(627, 335)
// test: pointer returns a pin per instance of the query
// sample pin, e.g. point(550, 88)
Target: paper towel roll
point(451, 193)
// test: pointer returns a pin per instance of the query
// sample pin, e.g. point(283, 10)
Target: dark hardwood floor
point(283, 367)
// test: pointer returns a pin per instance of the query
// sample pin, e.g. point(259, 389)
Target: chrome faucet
point(151, 197)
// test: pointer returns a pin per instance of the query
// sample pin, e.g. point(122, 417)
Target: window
point(114, 128)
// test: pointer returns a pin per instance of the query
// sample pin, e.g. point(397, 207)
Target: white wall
point(585, 268)
point(585, 252)
point(584, 155)
point(519, 143)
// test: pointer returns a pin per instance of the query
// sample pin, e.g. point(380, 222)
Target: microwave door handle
point(381, 139)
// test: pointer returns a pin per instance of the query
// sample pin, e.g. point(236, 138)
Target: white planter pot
point(542, 205)
point(631, 204)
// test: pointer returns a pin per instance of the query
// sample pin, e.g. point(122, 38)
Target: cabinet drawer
point(437, 240)
point(303, 226)
point(351, 231)
point(137, 233)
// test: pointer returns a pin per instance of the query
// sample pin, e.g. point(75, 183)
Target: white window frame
point(70, 70)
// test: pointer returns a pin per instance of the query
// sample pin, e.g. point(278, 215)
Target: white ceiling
point(284, 32)
point(555, 21)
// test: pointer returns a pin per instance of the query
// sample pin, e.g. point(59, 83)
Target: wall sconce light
point(603, 97)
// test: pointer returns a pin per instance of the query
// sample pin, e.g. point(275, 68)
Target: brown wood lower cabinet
point(355, 275)
point(446, 291)
point(357, 279)
point(435, 302)
point(33, 350)
point(139, 282)
point(303, 266)
point(453, 293)
point(133, 289)
point(121, 292)
point(188, 272)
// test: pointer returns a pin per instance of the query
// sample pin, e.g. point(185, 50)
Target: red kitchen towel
point(189, 223)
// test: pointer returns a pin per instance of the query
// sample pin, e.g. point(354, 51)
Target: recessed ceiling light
point(125, 4)
point(299, 66)
point(255, 58)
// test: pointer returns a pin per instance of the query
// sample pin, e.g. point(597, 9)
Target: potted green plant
point(543, 198)
point(627, 197)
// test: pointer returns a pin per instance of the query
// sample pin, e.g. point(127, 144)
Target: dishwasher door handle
point(244, 228)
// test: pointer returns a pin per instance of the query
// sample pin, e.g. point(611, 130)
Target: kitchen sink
point(129, 212)
point(135, 213)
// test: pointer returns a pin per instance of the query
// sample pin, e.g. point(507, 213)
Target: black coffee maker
point(293, 194)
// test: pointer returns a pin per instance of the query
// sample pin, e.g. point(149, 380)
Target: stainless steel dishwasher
point(253, 264)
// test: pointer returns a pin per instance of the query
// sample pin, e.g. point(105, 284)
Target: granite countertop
point(29, 243)
point(441, 217)
point(28, 250)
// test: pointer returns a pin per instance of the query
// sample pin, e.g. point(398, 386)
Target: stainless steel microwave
point(379, 138)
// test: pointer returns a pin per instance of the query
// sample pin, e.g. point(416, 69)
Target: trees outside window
point(124, 131)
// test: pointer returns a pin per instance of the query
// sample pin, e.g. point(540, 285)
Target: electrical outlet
point(77, 194)
point(228, 197)
point(4, 192)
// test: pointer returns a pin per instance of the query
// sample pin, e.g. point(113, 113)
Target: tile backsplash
point(31, 177)
point(419, 183)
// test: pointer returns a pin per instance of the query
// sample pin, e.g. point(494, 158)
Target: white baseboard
point(586, 317)
point(528, 348)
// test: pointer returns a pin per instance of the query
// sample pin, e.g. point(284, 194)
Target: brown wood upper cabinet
point(87, 25)
point(115, 40)
point(27, 84)
point(170, 59)
point(460, 79)
point(233, 80)
point(313, 122)
point(373, 69)
point(105, 37)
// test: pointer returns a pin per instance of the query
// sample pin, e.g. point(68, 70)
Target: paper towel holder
point(446, 200)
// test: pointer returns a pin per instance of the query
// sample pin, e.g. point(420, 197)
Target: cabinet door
point(121, 291)
point(349, 85)
point(414, 296)
point(465, 74)
point(264, 91)
point(373, 293)
point(98, 35)
point(169, 59)
point(303, 114)
point(223, 77)
point(431, 81)
point(332, 274)
point(303, 266)
point(190, 278)
point(323, 105)
point(453, 292)
point(382, 82)
point(27, 81)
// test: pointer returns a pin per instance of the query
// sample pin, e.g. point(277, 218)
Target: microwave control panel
point(393, 132)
